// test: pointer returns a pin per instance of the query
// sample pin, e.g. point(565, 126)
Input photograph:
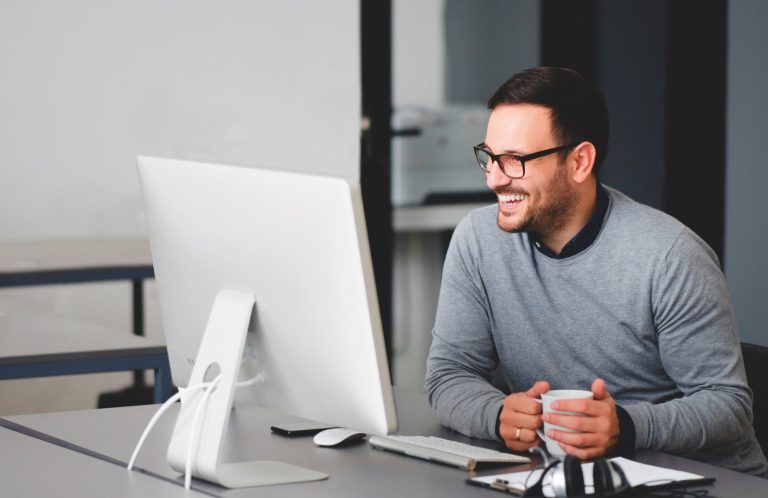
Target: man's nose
point(495, 178)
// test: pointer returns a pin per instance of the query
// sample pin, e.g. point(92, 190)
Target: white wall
point(746, 265)
point(88, 85)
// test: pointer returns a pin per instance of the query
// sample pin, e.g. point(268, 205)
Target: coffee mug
point(546, 400)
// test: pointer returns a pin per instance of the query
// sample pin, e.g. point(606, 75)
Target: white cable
point(248, 382)
point(151, 424)
point(194, 439)
point(207, 388)
point(157, 416)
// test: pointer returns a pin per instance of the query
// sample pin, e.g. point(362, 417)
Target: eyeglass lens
point(510, 165)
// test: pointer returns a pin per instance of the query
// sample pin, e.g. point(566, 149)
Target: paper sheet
point(637, 473)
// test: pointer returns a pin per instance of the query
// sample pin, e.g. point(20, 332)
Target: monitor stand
point(222, 349)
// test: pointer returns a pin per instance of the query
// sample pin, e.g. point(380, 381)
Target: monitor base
point(222, 348)
point(263, 473)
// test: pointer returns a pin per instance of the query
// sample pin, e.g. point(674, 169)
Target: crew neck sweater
point(645, 307)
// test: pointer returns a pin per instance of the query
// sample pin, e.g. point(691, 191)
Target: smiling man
point(569, 284)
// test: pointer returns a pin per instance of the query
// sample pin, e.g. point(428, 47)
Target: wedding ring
point(517, 433)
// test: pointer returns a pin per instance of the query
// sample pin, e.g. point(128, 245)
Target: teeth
point(511, 197)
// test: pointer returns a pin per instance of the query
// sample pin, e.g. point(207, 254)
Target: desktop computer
point(265, 277)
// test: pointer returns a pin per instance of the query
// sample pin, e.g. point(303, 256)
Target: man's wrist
point(625, 446)
point(498, 423)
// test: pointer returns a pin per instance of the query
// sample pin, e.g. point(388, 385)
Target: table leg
point(137, 286)
point(163, 384)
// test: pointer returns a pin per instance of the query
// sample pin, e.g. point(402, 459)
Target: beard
point(554, 211)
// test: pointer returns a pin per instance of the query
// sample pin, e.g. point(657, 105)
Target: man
point(568, 284)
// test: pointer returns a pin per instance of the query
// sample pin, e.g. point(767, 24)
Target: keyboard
point(441, 450)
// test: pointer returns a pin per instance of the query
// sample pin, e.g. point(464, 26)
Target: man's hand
point(520, 417)
point(598, 430)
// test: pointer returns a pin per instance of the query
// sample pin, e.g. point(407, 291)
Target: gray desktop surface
point(33, 468)
point(357, 470)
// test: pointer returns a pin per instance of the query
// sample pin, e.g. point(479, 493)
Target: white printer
point(432, 157)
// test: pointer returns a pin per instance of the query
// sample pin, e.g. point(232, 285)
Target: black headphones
point(565, 479)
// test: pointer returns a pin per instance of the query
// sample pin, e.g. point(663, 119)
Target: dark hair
point(579, 111)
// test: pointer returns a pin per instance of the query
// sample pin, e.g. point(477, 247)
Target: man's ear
point(584, 160)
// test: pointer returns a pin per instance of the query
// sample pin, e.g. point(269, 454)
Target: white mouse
point(337, 436)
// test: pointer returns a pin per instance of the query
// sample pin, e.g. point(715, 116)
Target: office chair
point(756, 365)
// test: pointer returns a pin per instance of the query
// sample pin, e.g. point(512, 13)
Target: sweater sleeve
point(462, 354)
point(700, 351)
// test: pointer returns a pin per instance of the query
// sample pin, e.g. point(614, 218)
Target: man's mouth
point(511, 199)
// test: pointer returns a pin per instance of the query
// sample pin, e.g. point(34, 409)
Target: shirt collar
point(586, 235)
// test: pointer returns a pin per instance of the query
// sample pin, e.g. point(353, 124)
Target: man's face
point(543, 201)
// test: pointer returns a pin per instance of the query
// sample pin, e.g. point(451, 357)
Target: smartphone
point(298, 429)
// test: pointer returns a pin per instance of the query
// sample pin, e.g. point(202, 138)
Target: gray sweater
point(645, 308)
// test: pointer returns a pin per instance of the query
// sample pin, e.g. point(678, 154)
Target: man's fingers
point(518, 419)
point(520, 434)
point(599, 390)
point(575, 439)
point(537, 389)
point(581, 424)
point(516, 445)
point(585, 406)
point(582, 440)
point(522, 403)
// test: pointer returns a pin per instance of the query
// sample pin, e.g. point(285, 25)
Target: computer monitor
point(294, 243)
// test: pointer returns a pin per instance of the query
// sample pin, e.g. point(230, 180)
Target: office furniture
point(756, 365)
point(72, 261)
point(36, 469)
point(431, 218)
point(50, 262)
point(431, 156)
point(36, 344)
point(356, 470)
point(422, 234)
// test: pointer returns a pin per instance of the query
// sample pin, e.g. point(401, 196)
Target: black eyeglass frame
point(528, 157)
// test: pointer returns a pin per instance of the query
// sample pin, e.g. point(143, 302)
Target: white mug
point(546, 400)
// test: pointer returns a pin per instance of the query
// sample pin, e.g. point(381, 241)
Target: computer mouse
point(337, 437)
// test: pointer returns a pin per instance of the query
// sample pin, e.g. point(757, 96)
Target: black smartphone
point(298, 429)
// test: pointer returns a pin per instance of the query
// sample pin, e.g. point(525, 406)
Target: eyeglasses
point(512, 165)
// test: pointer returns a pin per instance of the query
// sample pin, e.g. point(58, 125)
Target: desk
point(36, 344)
point(73, 261)
point(432, 218)
point(422, 234)
point(32, 468)
point(48, 262)
point(354, 471)
point(68, 261)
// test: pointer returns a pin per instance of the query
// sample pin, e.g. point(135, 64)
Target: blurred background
point(390, 93)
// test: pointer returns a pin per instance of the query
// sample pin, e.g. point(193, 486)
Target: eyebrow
point(510, 152)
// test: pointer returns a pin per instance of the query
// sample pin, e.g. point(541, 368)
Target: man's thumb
point(599, 390)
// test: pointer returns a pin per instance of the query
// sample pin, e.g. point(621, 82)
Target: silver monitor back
point(298, 243)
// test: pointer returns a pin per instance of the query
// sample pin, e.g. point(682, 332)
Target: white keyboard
point(442, 450)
